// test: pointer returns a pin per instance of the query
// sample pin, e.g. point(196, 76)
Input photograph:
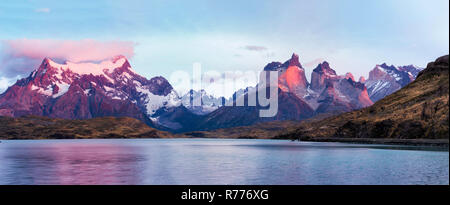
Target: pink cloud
point(313, 63)
point(21, 55)
point(75, 51)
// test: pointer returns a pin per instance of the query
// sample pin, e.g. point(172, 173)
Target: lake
point(216, 161)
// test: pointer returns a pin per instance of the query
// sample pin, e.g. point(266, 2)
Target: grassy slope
point(33, 127)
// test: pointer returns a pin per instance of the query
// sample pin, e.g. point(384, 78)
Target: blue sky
point(352, 35)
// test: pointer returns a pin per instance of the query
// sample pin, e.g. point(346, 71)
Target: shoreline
point(385, 141)
point(442, 143)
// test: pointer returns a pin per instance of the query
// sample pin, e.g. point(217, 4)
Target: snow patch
point(127, 76)
point(63, 88)
point(44, 91)
point(378, 85)
point(137, 83)
point(109, 89)
point(86, 92)
point(154, 102)
point(90, 68)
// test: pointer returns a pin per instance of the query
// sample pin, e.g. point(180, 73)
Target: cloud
point(255, 48)
point(75, 51)
point(21, 56)
point(313, 63)
point(5, 83)
point(42, 10)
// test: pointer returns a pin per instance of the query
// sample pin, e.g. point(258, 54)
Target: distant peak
point(324, 67)
point(362, 79)
point(385, 65)
point(294, 61)
point(410, 67)
point(46, 64)
point(118, 57)
point(47, 61)
point(273, 66)
point(86, 68)
point(350, 76)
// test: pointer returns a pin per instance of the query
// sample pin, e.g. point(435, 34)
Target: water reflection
point(72, 163)
point(197, 161)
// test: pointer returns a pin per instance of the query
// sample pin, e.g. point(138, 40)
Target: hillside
point(262, 130)
point(33, 127)
point(418, 111)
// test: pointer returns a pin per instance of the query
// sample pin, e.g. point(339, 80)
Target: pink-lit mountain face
point(88, 90)
point(321, 75)
point(298, 99)
point(330, 92)
point(335, 93)
point(327, 92)
point(292, 79)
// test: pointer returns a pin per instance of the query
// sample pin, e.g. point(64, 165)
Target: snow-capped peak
point(118, 57)
point(87, 68)
point(384, 67)
point(391, 71)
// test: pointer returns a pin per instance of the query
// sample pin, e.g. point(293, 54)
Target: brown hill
point(262, 130)
point(418, 111)
point(33, 127)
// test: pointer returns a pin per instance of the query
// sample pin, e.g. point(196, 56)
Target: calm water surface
point(216, 161)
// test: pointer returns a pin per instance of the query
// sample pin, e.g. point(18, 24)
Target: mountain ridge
point(424, 123)
point(342, 95)
point(88, 90)
point(417, 111)
point(112, 88)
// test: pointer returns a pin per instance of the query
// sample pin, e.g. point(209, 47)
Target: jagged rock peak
point(274, 66)
point(324, 67)
point(350, 76)
point(294, 61)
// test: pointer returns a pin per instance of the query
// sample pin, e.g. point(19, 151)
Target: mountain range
point(111, 88)
point(327, 93)
point(416, 114)
point(420, 110)
point(209, 103)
